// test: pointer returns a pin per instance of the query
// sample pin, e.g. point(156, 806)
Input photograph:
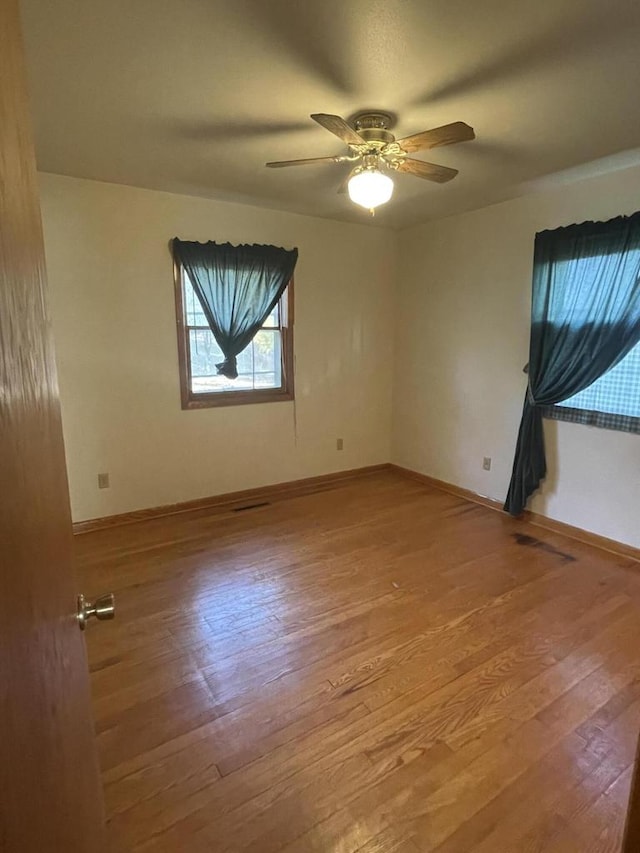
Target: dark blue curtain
point(238, 287)
point(585, 318)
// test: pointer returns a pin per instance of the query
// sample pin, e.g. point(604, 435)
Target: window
point(613, 400)
point(585, 326)
point(265, 366)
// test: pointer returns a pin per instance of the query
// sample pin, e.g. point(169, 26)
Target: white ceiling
point(194, 96)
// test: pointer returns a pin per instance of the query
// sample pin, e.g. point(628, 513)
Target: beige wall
point(113, 314)
point(462, 340)
point(459, 290)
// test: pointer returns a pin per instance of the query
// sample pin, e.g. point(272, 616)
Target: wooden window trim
point(191, 400)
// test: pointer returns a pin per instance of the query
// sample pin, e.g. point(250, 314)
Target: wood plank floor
point(382, 668)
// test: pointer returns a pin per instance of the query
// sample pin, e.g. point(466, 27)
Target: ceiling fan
point(374, 150)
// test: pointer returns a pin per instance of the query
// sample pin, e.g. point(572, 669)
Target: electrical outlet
point(339, 444)
point(103, 481)
point(486, 463)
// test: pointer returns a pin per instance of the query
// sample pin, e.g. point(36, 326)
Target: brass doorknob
point(102, 608)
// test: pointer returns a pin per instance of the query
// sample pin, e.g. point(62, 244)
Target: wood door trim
point(232, 500)
point(621, 549)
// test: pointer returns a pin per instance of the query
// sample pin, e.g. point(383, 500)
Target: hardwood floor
point(382, 668)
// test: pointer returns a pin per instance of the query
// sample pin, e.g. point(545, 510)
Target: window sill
point(602, 420)
point(236, 398)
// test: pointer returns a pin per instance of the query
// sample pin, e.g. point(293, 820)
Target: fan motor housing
point(374, 126)
point(375, 135)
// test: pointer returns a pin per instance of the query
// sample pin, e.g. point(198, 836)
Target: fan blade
point(339, 128)
point(458, 131)
point(430, 171)
point(307, 162)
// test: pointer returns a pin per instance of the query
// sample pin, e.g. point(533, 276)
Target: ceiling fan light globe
point(370, 188)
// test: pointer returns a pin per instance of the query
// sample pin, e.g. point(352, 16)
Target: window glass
point(617, 392)
point(264, 366)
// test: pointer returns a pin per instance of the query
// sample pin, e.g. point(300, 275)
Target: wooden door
point(50, 796)
point(631, 842)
